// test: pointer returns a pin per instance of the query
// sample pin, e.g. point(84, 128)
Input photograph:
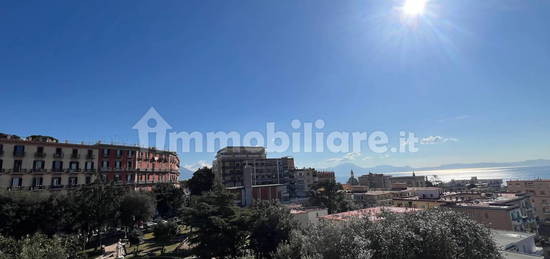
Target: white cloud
point(351, 156)
point(197, 165)
point(436, 140)
point(456, 118)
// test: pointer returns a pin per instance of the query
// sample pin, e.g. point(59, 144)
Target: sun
point(414, 7)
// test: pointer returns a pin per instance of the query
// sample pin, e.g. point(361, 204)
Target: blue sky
point(474, 71)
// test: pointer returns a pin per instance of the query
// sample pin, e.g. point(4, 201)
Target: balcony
point(39, 154)
point(71, 170)
point(17, 170)
point(57, 170)
point(90, 156)
point(75, 156)
point(89, 170)
point(38, 170)
point(58, 155)
point(18, 154)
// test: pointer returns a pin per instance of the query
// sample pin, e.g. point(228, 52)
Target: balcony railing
point(57, 170)
point(38, 170)
point(90, 156)
point(57, 155)
point(75, 156)
point(90, 170)
point(18, 154)
point(39, 154)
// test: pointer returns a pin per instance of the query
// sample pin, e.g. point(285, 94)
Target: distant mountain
point(342, 171)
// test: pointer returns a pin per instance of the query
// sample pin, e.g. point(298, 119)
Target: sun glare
point(414, 7)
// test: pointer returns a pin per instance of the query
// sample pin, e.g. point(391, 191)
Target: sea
point(505, 173)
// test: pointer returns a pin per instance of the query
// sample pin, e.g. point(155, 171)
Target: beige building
point(375, 180)
point(409, 181)
point(540, 190)
point(506, 211)
point(231, 161)
point(301, 181)
point(42, 163)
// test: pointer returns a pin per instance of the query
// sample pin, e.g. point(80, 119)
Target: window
point(17, 165)
point(38, 165)
point(118, 153)
point(74, 154)
point(18, 150)
point(73, 165)
point(130, 153)
point(89, 165)
point(40, 150)
point(129, 178)
point(37, 181)
point(73, 181)
point(56, 181)
point(57, 166)
point(1, 163)
point(104, 164)
point(106, 152)
point(58, 153)
point(88, 179)
point(117, 164)
point(90, 153)
point(129, 164)
point(16, 182)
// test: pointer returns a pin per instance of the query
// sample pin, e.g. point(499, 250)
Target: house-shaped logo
point(152, 122)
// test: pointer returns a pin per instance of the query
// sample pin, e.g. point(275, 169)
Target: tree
point(170, 200)
point(98, 206)
point(40, 246)
point(9, 248)
point(219, 228)
point(164, 232)
point(270, 225)
point(431, 234)
point(329, 195)
point(136, 207)
point(135, 237)
point(202, 181)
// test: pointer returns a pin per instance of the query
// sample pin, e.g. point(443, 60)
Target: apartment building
point(505, 211)
point(231, 161)
point(326, 176)
point(301, 181)
point(39, 162)
point(42, 162)
point(141, 167)
point(409, 181)
point(540, 195)
point(379, 181)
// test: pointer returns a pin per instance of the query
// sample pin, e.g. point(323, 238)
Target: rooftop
point(372, 214)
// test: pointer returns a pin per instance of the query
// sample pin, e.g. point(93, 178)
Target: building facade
point(540, 190)
point(231, 161)
point(301, 182)
point(41, 162)
point(371, 180)
point(410, 181)
point(506, 211)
